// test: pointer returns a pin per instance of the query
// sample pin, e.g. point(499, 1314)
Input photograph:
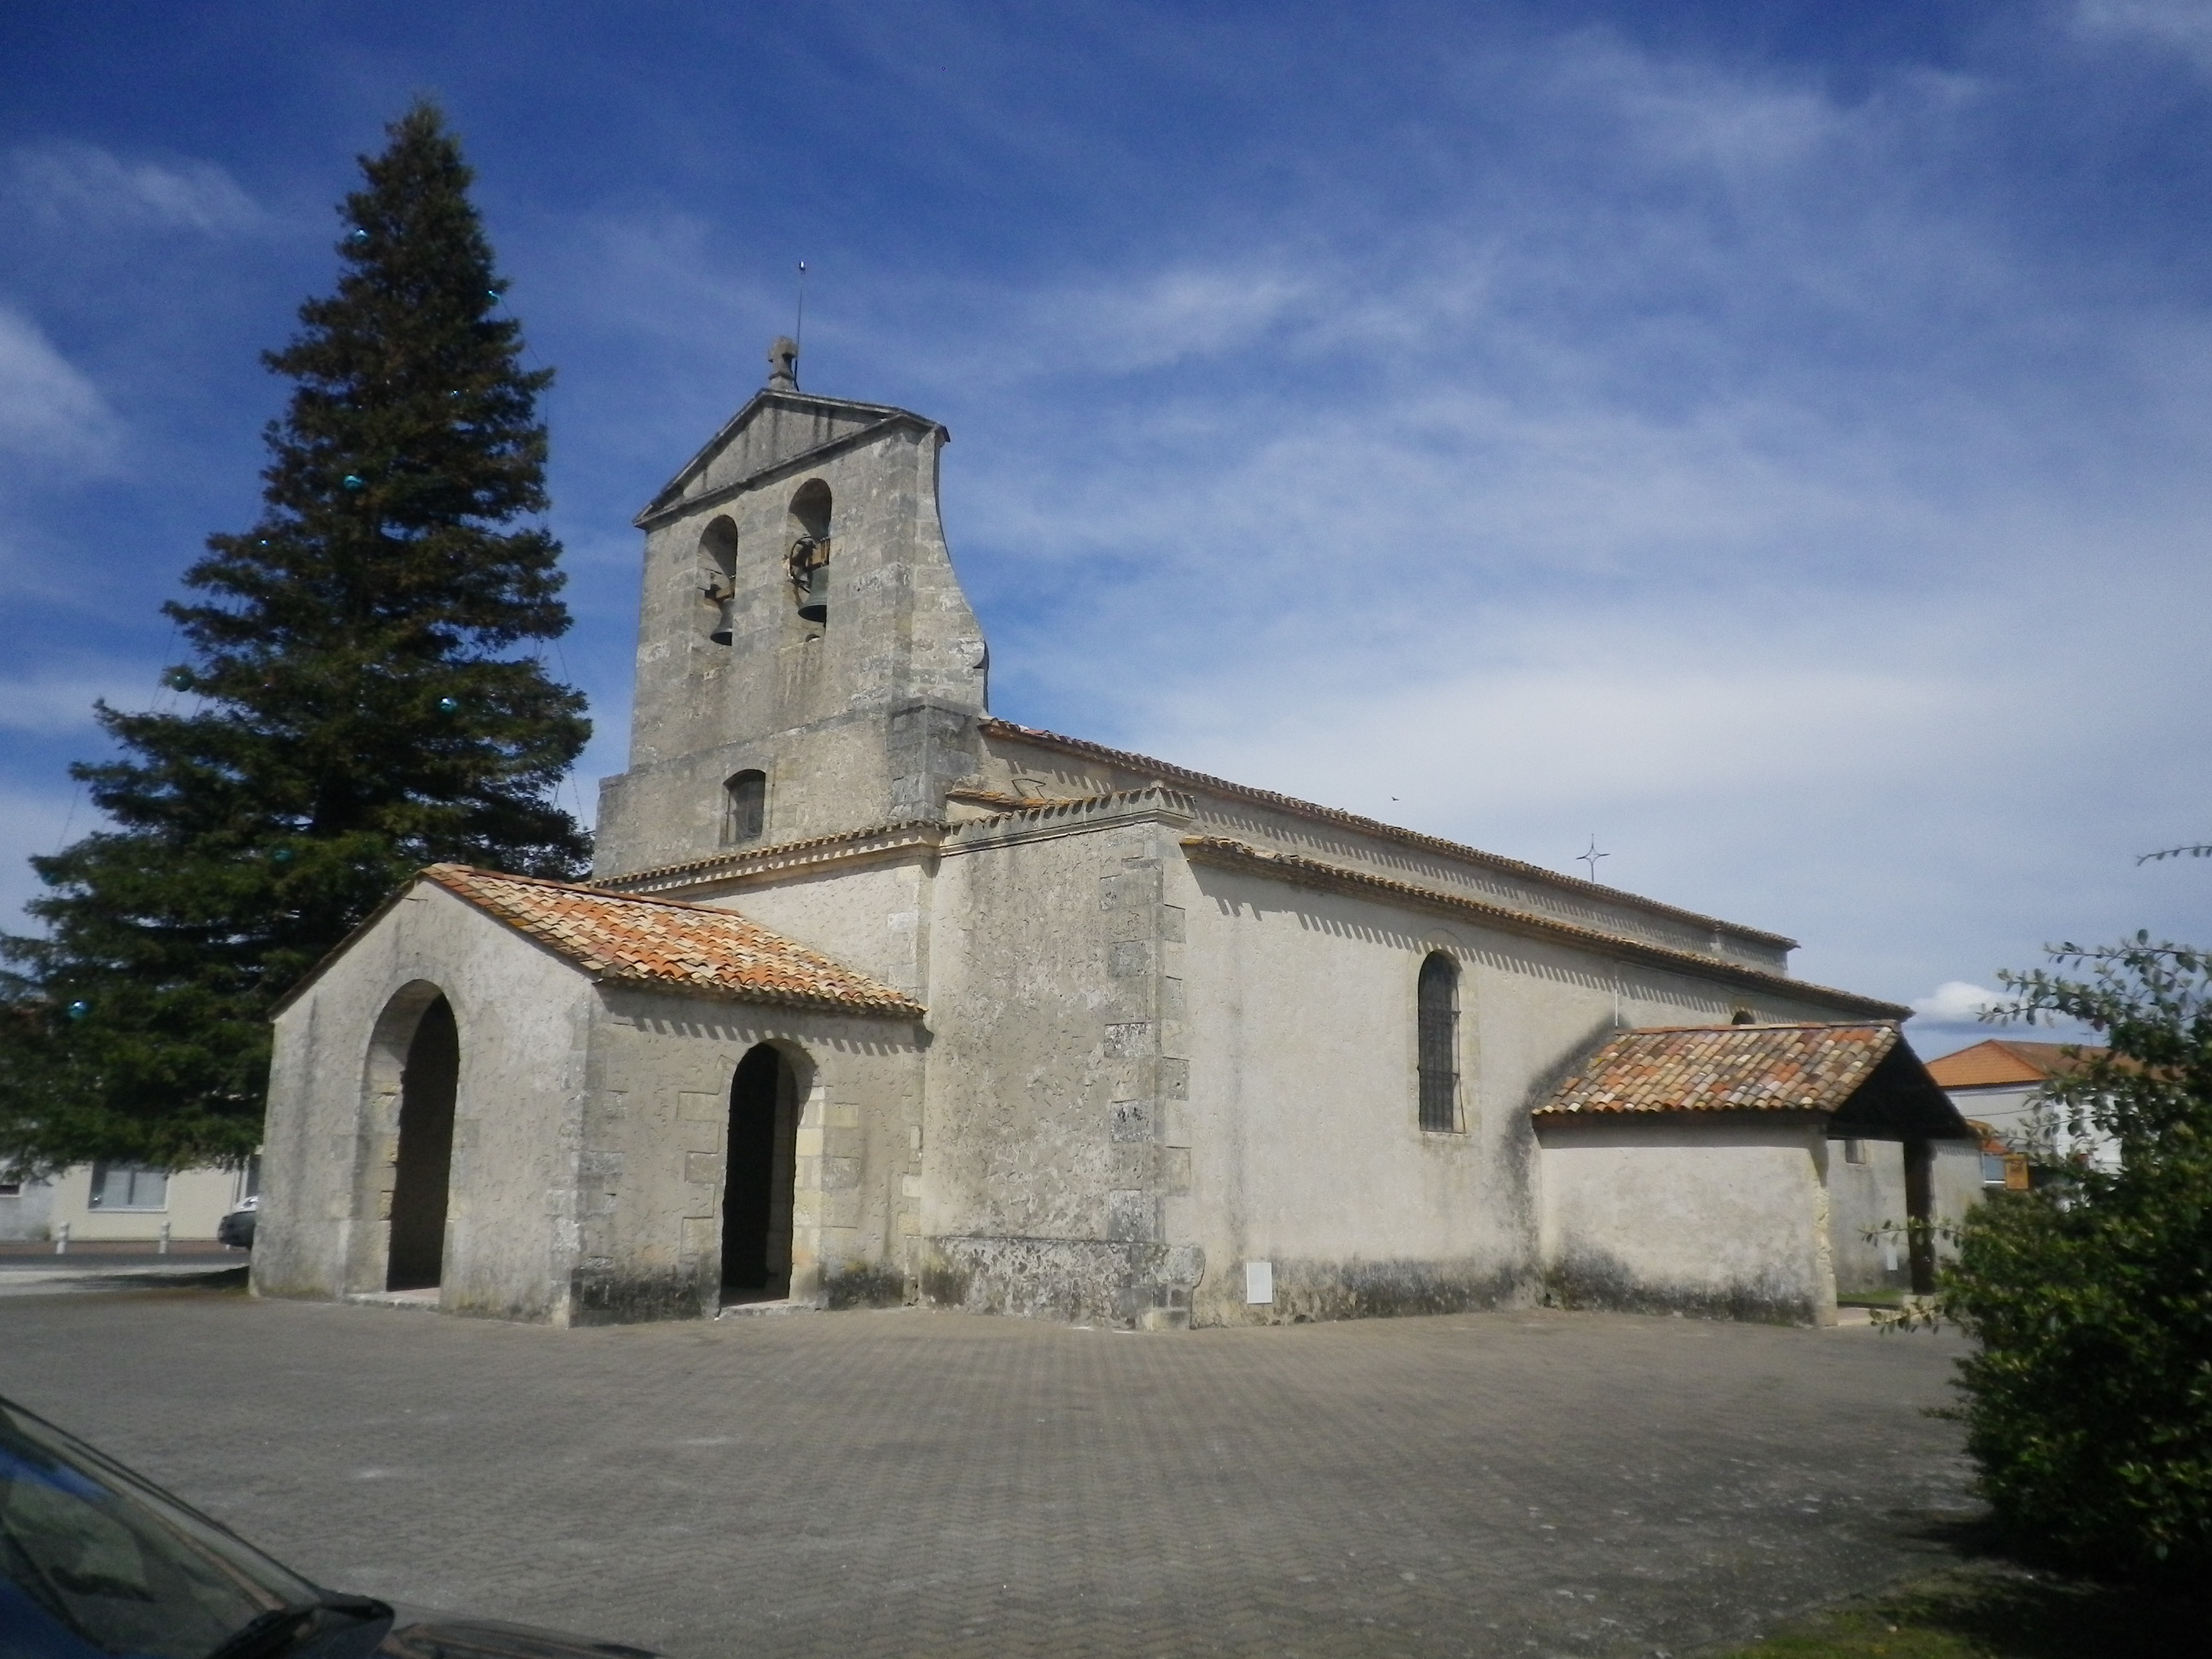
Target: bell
point(717, 594)
point(814, 602)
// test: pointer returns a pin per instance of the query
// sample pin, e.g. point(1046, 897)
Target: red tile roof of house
point(1726, 1068)
point(1999, 1061)
point(661, 944)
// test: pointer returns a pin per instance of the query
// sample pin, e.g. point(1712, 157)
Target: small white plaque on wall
point(1260, 1282)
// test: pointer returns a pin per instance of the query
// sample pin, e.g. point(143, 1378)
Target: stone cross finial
point(783, 364)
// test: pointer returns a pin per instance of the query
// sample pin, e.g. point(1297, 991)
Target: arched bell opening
point(760, 1175)
point(718, 579)
point(808, 526)
point(422, 1168)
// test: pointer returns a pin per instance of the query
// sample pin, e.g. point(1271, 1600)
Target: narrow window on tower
point(1437, 1005)
point(717, 580)
point(745, 808)
point(809, 559)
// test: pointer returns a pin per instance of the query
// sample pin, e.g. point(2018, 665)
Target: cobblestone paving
point(907, 1483)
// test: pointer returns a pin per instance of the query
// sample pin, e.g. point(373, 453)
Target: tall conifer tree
point(352, 710)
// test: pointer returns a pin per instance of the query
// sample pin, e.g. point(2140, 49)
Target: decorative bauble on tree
point(356, 714)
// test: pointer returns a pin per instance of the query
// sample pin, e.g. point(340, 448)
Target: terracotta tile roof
point(1726, 1068)
point(1994, 1063)
point(1219, 850)
point(666, 945)
point(1169, 772)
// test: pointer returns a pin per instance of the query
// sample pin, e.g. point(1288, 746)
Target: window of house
point(1993, 1169)
point(129, 1187)
point(1854, 1151)
point(1437, 1018)
point(10, 1186)
point(745, 808)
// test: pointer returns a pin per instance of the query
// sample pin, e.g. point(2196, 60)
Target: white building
point(875, 997)
point(125, 1202)
point(25, 1205)
point(1999, 1086)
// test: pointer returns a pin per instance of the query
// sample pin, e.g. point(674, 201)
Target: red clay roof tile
point(663, 945)
point(1726, 1068)
point(1998, 1061)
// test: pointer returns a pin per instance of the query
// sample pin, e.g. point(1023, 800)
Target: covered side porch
point(1736, 1172)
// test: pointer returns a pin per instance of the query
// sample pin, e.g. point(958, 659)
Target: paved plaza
point(912, 1483)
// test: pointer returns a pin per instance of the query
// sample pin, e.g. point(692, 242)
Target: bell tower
point(806, 662)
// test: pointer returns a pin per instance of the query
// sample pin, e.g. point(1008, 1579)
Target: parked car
point(237, 1228)
point(96, 1561)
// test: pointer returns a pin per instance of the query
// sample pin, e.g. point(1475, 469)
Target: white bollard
point(61, 1239)
point(162, 1248)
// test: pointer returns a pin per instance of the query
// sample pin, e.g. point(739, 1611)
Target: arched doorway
point(757, 1182)
point(425, 1161)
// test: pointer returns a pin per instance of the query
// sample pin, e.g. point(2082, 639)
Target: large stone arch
point(406, 1176)
point(767, 1231)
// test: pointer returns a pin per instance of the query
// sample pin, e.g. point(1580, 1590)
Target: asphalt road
point(910, 1483)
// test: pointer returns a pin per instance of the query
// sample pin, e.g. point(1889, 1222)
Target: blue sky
point(1770, 438)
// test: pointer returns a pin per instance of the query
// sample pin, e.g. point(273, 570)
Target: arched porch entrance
point(424, 1166)
point(758, 1179)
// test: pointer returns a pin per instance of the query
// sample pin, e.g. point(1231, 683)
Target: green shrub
point(2088, 1404)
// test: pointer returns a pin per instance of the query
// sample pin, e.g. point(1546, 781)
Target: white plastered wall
point(1306, 1147)
point(523, 1016)
point(1689, 1213)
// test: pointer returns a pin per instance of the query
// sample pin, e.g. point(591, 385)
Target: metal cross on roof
point(1591, 857)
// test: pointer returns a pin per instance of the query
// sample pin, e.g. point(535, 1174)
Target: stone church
point(874, 998)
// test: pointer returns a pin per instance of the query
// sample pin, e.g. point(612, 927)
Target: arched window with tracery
point(745, 808)
point(1436, 1003)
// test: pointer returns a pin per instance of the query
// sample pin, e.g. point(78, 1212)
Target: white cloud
point(1702, 468)
point(35, 822)
point(1955, 1002)
point(55, 704)
point(1682, 113)
point(2184, 26)
point(81, 184)
point(1164, 318)
point(1600, 706)
point(49, 410)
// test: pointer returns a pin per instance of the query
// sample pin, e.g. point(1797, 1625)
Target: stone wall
point(858, 720)
point(1056, 1172)
point(524, 1017)
point(656, 1134)
point(590, 1130)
